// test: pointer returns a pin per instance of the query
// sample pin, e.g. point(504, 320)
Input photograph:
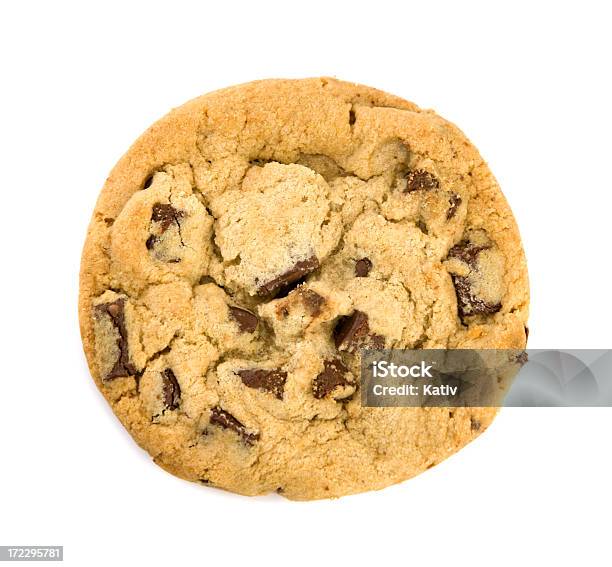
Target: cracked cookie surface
point(246, 248)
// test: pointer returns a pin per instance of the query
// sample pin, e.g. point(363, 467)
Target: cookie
point(251, 242)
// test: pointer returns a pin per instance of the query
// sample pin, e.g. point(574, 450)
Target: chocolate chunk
point(247, 321)
point(171, 390)
point(420, 179)
point(454, 201)
point(165, 215)
point(260, 162)
point(353, 332)
point(526, 333)
point(151, 241)
point(334, 374)
point(226, 420)
point(375, 342)
point(470, 304)
point(363, 267)
point(351, 329)
point(352, 117)
point(148, 182)
point(116, 311)
point(467, 252)
point(272, 381)
point(521, 358)
point(312, 301)
point(292, 276)
point(474, 424)
point(422, 227)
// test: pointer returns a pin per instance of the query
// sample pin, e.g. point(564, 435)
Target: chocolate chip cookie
point(251, 242)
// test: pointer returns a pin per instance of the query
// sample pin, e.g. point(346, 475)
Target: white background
point(530, 85)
